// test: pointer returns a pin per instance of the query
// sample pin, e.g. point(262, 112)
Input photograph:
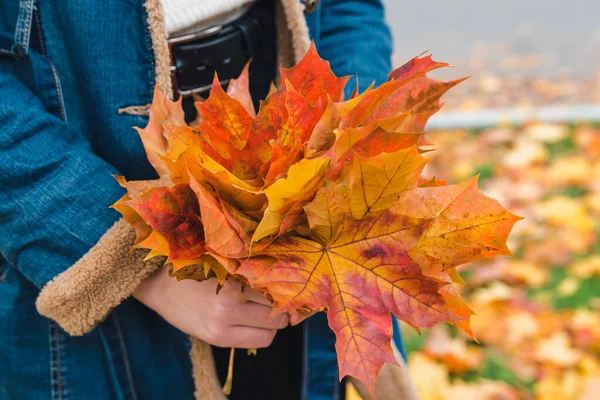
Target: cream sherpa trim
point(207, 384)
point(162, 56)
point(285, 52)
point(83, 295)
point(296, 24)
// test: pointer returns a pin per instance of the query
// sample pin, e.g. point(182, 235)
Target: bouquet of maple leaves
point(318, 203)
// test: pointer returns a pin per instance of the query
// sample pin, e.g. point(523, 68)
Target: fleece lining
point(83, 295)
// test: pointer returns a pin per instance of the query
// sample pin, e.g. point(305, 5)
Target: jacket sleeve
point(356, 40)
point(55, 195)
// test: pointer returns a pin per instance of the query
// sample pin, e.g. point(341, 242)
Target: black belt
point(226, 49)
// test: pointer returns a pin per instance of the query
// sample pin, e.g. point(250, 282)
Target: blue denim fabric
point(66, 67)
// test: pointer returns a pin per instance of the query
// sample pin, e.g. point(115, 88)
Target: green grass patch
point(485, 171)
point(412, 340)
point(561, 147)
point(588, 290)
point(472, 132)
point(573, 191)
point(494, 368)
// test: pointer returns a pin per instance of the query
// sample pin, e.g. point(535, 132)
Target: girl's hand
point(230, 319)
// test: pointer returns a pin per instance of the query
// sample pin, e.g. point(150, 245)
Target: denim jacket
point(66, 68)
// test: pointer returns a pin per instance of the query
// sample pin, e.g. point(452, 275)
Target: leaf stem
point(229, 381)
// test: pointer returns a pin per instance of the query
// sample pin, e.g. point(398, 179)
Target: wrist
point(152, 287)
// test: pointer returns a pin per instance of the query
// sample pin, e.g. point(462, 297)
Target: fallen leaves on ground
point(537, 316)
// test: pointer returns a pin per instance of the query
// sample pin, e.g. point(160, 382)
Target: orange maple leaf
point(378, 247)
point(318, 203)
point(175, 214)
point(316, 80)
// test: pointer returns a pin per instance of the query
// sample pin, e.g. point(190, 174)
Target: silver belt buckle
point(173, 69)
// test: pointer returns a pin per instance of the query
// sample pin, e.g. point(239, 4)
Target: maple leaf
point(376, 182)
point(225, 121)
point(372, 139)
point(141, 228)
point(135, 189)
point(175, 214)
point(452, 239)
point(221, 237)
point(227, 126)
point(433, 182)
point(270, 116)
point(312, 77)
point(361, 270)
point(318, 203)
point(287, 195)
point(202, 268)
point(239, 89)
point(298, 122)
point(162, 110)
point(407, 91)
point(207, 171)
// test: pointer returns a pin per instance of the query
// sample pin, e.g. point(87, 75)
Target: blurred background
point(538, 52)
point(528, 122)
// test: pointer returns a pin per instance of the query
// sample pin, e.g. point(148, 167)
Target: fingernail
point(283, 323)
